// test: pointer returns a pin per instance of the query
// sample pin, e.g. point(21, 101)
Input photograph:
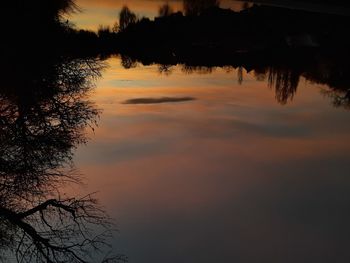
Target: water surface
point(231, 175)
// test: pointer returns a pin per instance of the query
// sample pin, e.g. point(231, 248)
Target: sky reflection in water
point(232, 176)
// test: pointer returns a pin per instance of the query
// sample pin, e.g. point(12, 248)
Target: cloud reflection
point(158, 100)
point(229, 177)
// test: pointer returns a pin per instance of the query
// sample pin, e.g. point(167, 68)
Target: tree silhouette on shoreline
point(165, 10)
point(126, 18)
point(196, 7)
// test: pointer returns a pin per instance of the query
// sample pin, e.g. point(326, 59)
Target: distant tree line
point(196, 7)
point(329, 2)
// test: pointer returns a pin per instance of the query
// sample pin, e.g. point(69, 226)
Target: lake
point(195, 137)
point(230, 174)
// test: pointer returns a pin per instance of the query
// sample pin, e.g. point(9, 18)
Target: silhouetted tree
point(126, 18)
point(165, 10)
point(37, 24)
point(246, 5)
point(104, 31)
point(116, 28)
point(196, 7)
point(35, 11)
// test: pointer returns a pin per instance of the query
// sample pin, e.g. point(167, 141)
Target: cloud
point(158, 100)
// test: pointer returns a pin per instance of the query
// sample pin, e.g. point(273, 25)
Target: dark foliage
point(281, 44)
point(43, 116)
point(165, 10)
point(126, 18)
point(328, 2)
point(197, 7)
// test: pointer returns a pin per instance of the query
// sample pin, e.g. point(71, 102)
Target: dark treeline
point(328, 2)
point(203, 26)
point(280, 44)
point(282, 69)
point(256, 28)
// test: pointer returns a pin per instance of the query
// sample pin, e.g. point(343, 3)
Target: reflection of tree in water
point(283, 79)
point(127, 62)
point(340, 98)
point(43, 120)
point(165, 69)
point(55, 230)
point(240, 75)
point(43, 115)
point(196, 69)
point(285, 82)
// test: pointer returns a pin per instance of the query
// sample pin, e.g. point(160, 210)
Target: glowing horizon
point(105, 12)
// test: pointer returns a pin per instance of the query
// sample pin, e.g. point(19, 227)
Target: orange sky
point(105, 12)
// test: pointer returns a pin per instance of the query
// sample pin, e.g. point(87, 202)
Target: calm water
point(230, 176)
point(236, 154)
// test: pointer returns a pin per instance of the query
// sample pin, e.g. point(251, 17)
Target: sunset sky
point(105, 12)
